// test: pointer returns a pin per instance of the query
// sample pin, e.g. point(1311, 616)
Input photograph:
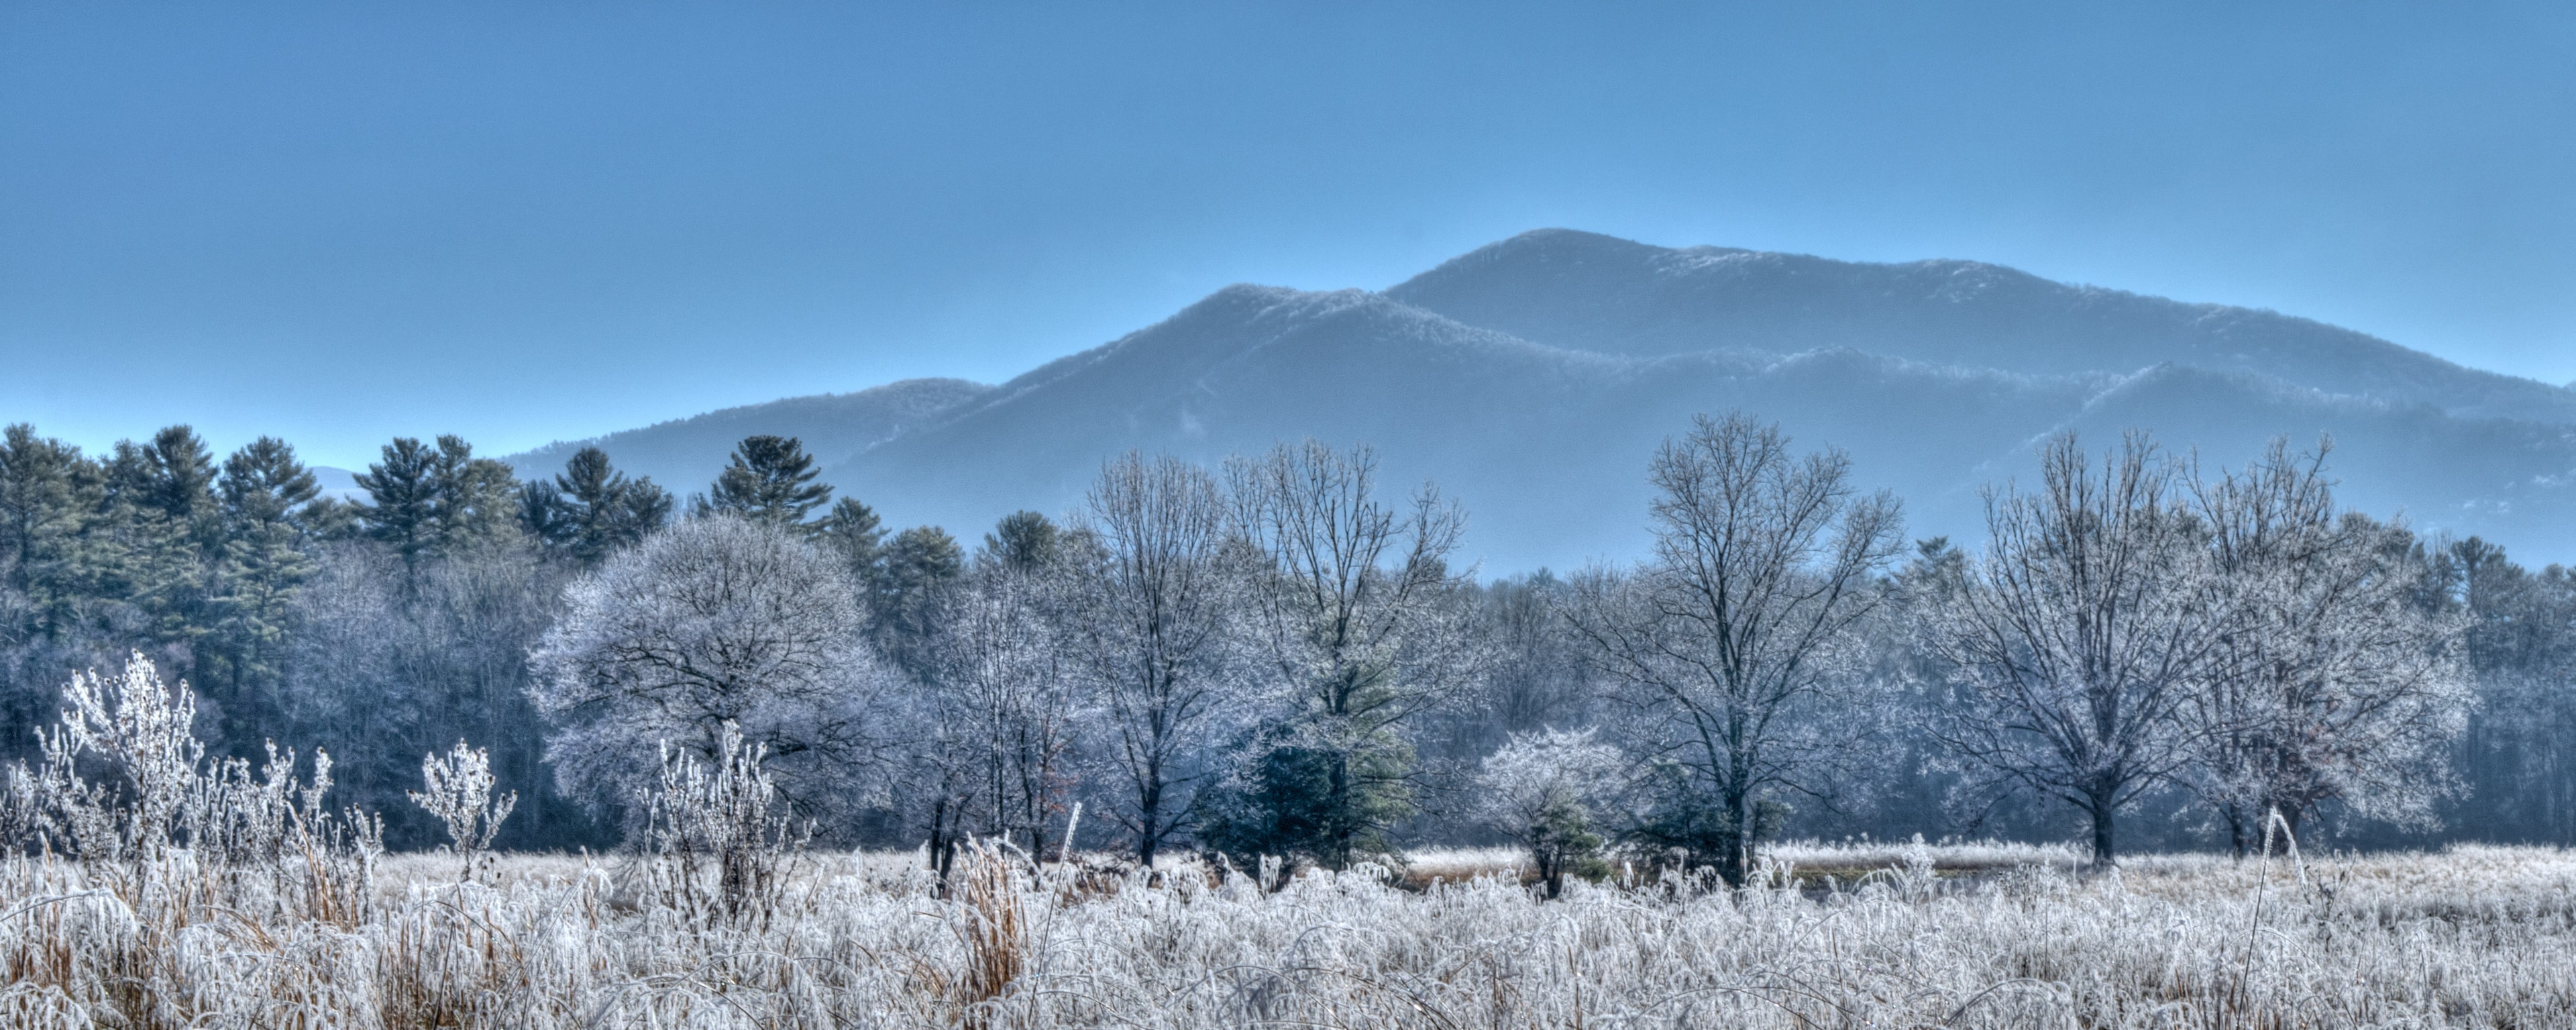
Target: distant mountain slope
point(1533, 379)
point(1591, 292)
point(685, 454)
point(1547, 447)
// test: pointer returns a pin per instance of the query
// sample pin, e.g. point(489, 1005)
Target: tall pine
point(264, 562)
point(770, 479)
point(591, 510)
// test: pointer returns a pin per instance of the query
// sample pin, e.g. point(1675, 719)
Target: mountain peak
point(1584, 291)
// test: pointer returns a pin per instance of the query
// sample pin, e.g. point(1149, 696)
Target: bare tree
point(1725, 642)
point(1004, 701)
point(2327, 681)
point(715, 621)
point(1359, 624)
point(2078, 634)
point(1148, 629)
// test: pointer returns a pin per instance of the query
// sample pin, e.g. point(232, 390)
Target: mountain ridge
point(1533, 378)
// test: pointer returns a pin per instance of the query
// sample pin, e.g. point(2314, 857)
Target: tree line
point(1280, 656)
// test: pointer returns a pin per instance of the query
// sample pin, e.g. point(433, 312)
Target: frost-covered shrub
point(723, 822)
point(460, 795)
point(1540, 788)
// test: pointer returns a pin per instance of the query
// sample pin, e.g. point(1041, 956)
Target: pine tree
point(264, 563)
point(854, 532)
point(156, 533)
point(1024, 540)
point(477, 498)
point(40, 518)
point(771, 478)
point(403, 493)
point(591, 509)
point(921, 564)
point(430, 501)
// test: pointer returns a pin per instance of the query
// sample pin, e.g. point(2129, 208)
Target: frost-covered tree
point(1358, 625)
point(715, 621)
point(457, 790)
point(1725, 646)
point(2519, 756)
point(374, 671)
point(1004, 699)
point(1147, 625)
point(1540, 788)
point(2326, 680)
point(2078, 634)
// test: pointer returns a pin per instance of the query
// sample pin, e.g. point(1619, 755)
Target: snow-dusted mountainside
point(1547, 446)
point(1592, 292)
point(1533, 378)
point(685, 454)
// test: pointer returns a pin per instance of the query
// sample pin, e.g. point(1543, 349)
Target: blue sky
point(343, 222)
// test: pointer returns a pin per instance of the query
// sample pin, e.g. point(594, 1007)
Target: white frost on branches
point(1540, 788)
point(460, 794)
point(717, 621)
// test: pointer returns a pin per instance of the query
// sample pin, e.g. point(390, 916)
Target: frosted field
point(1979, 936)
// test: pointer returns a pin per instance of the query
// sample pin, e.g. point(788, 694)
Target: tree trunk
point(1148, 826)
point(2101, 810)
point(1736, 866)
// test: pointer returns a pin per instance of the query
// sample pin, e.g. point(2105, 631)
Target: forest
point(1283, 656)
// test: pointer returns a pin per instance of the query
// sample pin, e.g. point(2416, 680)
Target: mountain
point(1596, 293)
point(684, 455)
point(1533, 378)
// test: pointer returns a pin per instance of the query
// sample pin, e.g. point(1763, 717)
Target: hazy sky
point(521, 222)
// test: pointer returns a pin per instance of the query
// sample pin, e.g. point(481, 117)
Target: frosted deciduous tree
point(1359, 625)
point(2326, 680)
point(715, 621)
point(1149, 615)
point(2079, 634)
point(1004, 719)
point(1725, 644)
point(1540, 788)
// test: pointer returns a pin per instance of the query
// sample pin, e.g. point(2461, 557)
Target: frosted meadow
point(2470, 937)
point(212, 894)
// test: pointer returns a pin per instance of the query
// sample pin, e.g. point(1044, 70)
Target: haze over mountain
point(1532, 378)
point(684, 454)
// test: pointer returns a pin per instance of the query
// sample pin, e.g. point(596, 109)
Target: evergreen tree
point(477, 499)
point(179, 479)
point(40, 519)
point(601, 510)
point(853, 531)
point(403, 493)
point(1024, 541)
point(771, 479)
point(545, 516)
point(263, 565)
point(921, 564)
point(429, 501)
point(154, 533)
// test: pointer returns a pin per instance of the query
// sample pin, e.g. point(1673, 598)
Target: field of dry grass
point(1967, 936)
